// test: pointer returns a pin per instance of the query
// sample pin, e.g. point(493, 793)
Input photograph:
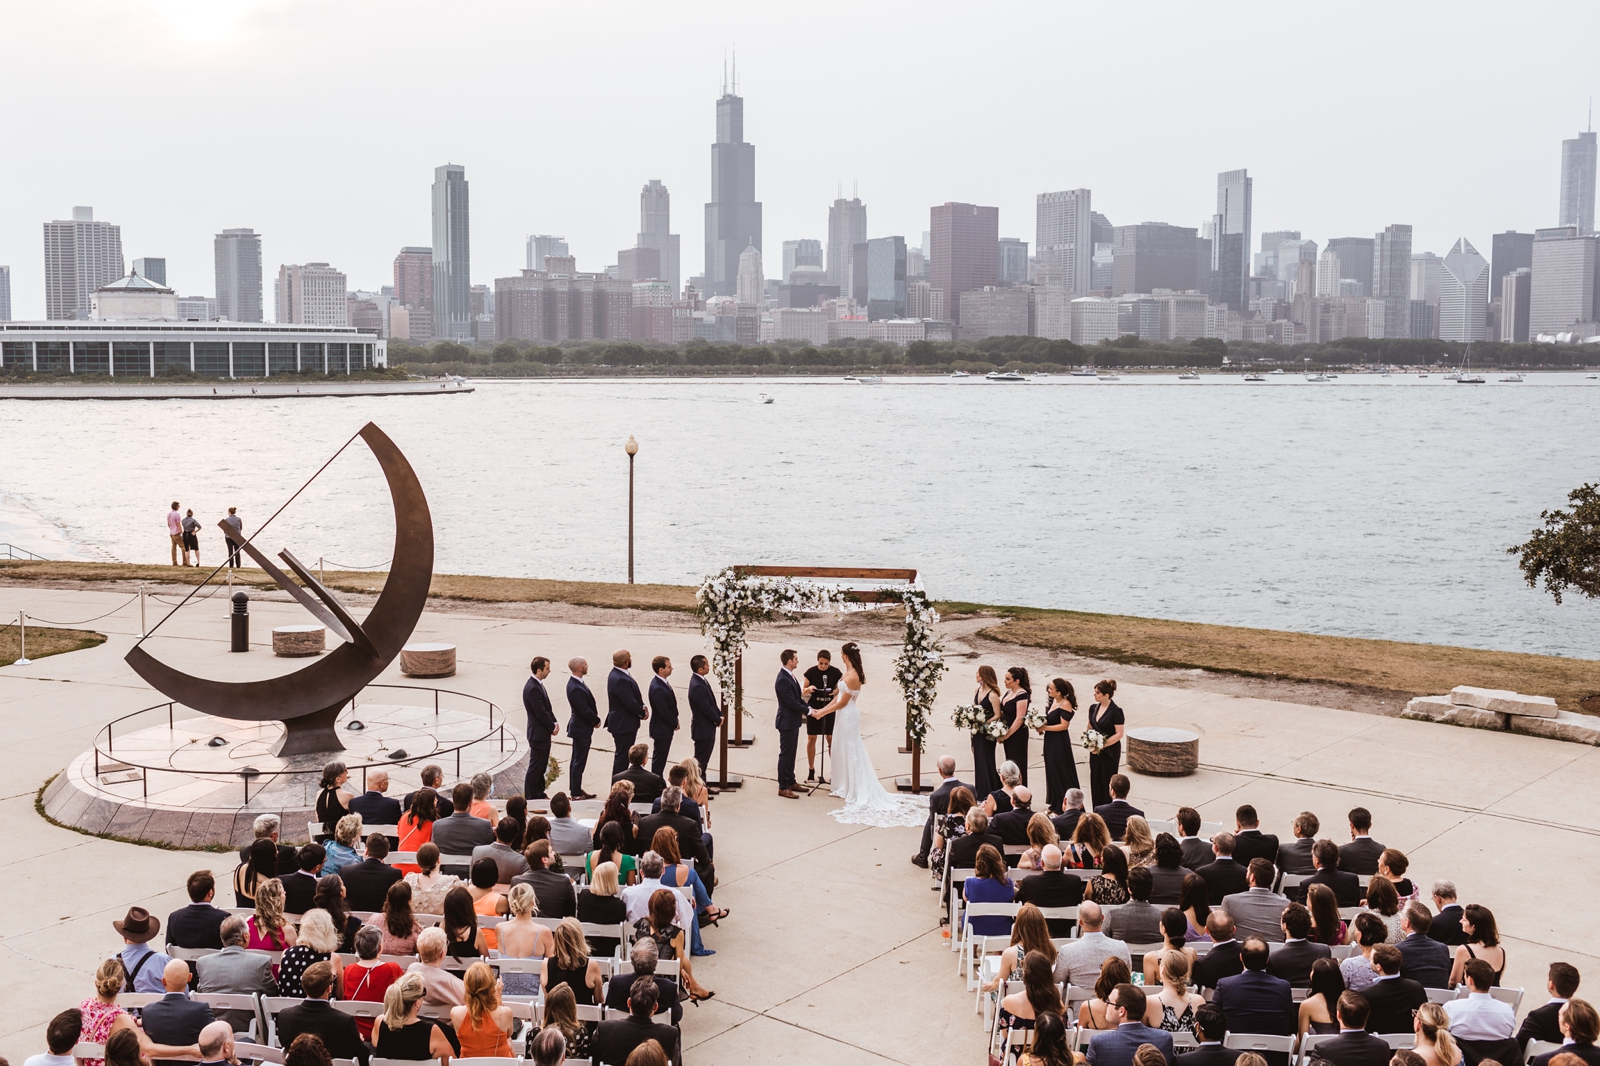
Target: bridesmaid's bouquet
point(1093, 742)
point(976, 720)
point(1035, 719)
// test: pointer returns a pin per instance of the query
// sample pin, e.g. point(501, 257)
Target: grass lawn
point(44, 641)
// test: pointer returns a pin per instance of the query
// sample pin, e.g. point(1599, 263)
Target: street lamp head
point(632, 446)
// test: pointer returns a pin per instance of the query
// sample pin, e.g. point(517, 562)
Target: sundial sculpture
point(308, 700)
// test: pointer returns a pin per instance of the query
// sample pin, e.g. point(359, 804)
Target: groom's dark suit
point(792, 711)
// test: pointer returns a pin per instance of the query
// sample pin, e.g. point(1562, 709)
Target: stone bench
point(293, 642)
point(428, 660)
point(1163, 751)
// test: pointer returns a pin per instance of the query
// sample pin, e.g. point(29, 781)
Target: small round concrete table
point(1163, 751)
point(296, 641)
point(428, 660)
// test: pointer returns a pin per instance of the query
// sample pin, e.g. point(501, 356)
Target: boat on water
point(869, 380)
point(1108, 377)
point(1422, 375)
point(765, 398)
point(1085, 372)
point(1278, 372)
point(960, 374)
point(1466, 376)
point(1511, 379)
point(1190, 376)
point(1040, 376)
point(1318, 378)
point(1009, 375)
point(1254, 377)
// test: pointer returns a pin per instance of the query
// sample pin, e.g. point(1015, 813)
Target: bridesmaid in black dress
point(1013, 708)
point(985, 778)
point(1060, 765)
point(1105, 718)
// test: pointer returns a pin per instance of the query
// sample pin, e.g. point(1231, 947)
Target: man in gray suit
point(1136, 922)
point(1125, 1009)
point(1258, 911)
point(236, 971)
point(461, 832)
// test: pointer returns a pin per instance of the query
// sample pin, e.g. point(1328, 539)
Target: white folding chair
point(1139, 951)
point(965, 963)
point(258, 1052)
point(1258, 1042)
point(189, 954)
point(1183, 1040)
point(1340, 952)
point(1291, 880)
point(669, 967)
point(1512, 996)
point(1535, 1049)
point(1162, 825)
point(85, 1049)
point(402, 961)
point(219, 1001)
point(1441, 995)
point(395, 858)
point(1349, 913)
point(270, 1006)
point(1211, 829)
point(376, 1061)
point(133, 1000)
point(1298, 995)
point(590, 1012)
point(359, 1008)
point(1309, 1041)
point(980, 947)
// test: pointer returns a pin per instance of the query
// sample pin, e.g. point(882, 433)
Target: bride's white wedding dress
point(866, 801)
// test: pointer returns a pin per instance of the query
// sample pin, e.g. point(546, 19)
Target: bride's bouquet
point(1035, 719)
point(1093, 742)
point(976, 720)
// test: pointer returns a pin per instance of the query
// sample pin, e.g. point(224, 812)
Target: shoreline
point(234, 389)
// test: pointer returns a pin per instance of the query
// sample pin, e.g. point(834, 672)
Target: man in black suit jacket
point(1292, 960)
point(542, 725)
point(1423, 959)
point(267, 826)
point(1197, 850)
point(1249, 842)
point(317, 1016)
point(1066, 822)
point(300, 887)
point(1580, 1026)
point(644, 957)
point(1052, 887)
point(1294, 857)
point(663, 714)
point(1012, 826)
point(1544, 1023)
point(1210, 1027)
point(366, 883)
point(1223, 876)
point(1354, 1046)
point(962, 854)
point(687, 829)
point(624, 708)
point(705, 716)
point(1255, 1001)
point(199, 925)
point(647, 786)
point(792, 713)
point(1346, 886)
point(615, 1041)
point(1119, 810)
point(1391, 997)
point(176, 1019)
point(1223, 960)
point(432, 778)
point(551, 890)
point(1446, 927)
point(938, 806)
point(1360, 856)
point(585, 719)
point(374, 807)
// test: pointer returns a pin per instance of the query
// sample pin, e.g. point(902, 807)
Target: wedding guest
point(1090, 841)
point(1079, 961)
point(316, 1019)
point(1138, 842)
point(1060, 765)
point(463, 938)
point(300, 886)
point(333, 802)
point(430, 884)
point(60, 1037)
point(1326, 925)
point(964, 849)
point(1384, 901)
point(1136, 921)
point(1434, 1043)
point(366, 882)
point(1318, 1011)
point(1294, 856)
point(1258, 909)
point(1580, 1025)
point(483, 1024)
point(397, 922)
point(611, 851)
point(416, 825)
point(1293, 961)
point(461, 832)
point(367, 979)
point(340, 850)
point(989, 884)
point(1028, 933)
point(1369, 933)
point(432, 777)
point(1039, 995)
point(1254, 1001)
point(1209, 1029)
point(1000, 800)
point(1041, 834)
point(561, 1022)
point(1011, 825)
point(175, 1018)
point(660, 925)
point(1172, 1009)
point(402, 1033)
point(636, 1040)
point(1092, 1012)
point(1195, 903)
point(1197, 850)
point(1173, 930)
point(1223, 876)
point(1125, 1010)
point(647, 785)
point(1052, 887)
point(1249, 842)
point(1355, 1046)
point(553, 889)
point(1446, 927)
point(1119, 810)
point(236, 971)
point(600, 903)
point(260, 864)
point(1225, 957)
point(443, 988)
point(985, 778)
point(1544, 1023)
point(374, 807)
point(1478, 1015)
point(1391, 997)
point(269, 929)
point(101, 1018)
point(199, 925)
point(644, 958)
point(1105, 718)
point(1360, 856)
point(1423, 959)
point(520, 937)
point(1050, 1046)
point(1013, 712)
point(1110, 886)
point(267, 827)
point(616, 812)
point(1346, 885)
point(1066, 822)
point(1483, 942)
point(317, 941)
point(1392, 864)
point(567, 834)
point(503, 851)
point(1167, 873)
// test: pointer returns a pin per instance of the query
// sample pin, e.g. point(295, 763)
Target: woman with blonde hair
point(1434, 1042)
point(343, 848)
point(523, 938)
point(1090, 839)
point(1138, 842)
point(1172, 1009)
point(402, 1034)
point(561, 1011)
point(268, 929)
point(600, 903)
point(649, 1053)
point(694, 786)
point(318, 941)
point(483, 1024)
point(1041, 832)
point(1029, 932)
point(569, 963)
point(102, 1017)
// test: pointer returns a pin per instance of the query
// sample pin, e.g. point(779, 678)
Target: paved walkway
point(833, 950)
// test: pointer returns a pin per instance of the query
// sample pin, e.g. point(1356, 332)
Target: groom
point(792, 711)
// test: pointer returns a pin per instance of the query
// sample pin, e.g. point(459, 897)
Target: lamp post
point(632, 448)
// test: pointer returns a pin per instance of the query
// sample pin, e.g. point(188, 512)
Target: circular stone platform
point(292, 642)
point(197, 795)
point(1163, 751)
point(428, 660)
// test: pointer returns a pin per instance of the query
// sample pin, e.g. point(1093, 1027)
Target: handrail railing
point(13, 552)
point(105, 735)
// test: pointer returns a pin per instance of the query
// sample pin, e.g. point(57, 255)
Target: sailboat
point(1467, 377)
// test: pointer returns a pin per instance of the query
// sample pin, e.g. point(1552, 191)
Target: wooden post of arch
point(859, 595)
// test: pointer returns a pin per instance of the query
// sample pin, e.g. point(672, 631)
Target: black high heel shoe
point(697, 999)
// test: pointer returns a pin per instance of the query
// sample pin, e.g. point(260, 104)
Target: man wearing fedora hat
point(143, 963)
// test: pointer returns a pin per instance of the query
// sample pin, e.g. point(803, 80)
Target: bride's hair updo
point(852, 655)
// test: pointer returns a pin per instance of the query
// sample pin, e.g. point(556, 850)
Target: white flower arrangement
point(1093, 742)
point(1036, 718)
point(920, 662)
point(977, 721)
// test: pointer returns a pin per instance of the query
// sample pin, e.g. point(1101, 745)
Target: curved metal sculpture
point(308, 700)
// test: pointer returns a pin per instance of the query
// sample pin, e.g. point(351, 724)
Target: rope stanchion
point(86, 621)
point(352, 566)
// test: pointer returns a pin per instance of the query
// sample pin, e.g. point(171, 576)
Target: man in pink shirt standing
point(175, 531)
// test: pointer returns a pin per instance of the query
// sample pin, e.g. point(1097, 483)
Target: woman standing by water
point(1060, 767)
point(1013, 709)
point(1105, 718)
point(985, 779)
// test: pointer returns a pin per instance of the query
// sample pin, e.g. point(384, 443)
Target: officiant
point(822, 679)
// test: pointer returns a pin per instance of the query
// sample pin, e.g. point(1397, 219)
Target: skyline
point(1446, 175)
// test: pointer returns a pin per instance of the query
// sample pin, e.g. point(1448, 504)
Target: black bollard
point(241, 621)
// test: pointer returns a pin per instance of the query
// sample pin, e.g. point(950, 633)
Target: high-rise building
point(801, 253)
point(655, 222)
point(1463, 294)
point(733, 217)
point(1355, 260)
point(1515, 289)
point(1391, 277)
point(1577, 182)
point(1231, 237)
point(197, 308)
point(1565, 277)
point(750, 286)
point(1064, 238)
point(1152, 255)
point(966, 252)
point(1328, 279)
point(1508, 252)
point(153, 269)
point(1289, 263)
point(79, 256)
point(886, 278)
point(1426, 271)
point(994, 311)
point(452, 254)
point(5, 294)
point(312, 294)
point(1013, 261)
point(1266, 260)
point(847, 227)
point(413, 278)
point(924, 301)
point(640, 264)
point(239, 277)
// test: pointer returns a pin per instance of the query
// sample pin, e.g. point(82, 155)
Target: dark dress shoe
point(788, 794)
point(920, 860)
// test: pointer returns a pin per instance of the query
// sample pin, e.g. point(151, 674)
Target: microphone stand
point(822, 777)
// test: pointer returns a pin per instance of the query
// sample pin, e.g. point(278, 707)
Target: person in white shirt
point(1479, 1016)
point(637, 897)
point(1079, 962)
point(60, 1037)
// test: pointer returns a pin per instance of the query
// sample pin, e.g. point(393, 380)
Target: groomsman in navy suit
point(624, 709)
point(581, 726)
point(663, 714)
point(792, 711)
point(542, 725)
point(704, 713)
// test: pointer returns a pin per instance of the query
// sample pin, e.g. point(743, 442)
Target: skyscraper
point(750, 284)
point(151, 269)
point(1566, 274)
point(1391, 277)
point(733, 217)
point(886, 278)
point(1463, 294)
point(5, 294)
point(79, 257)
point(847, 227)
point(543, 244)
point(1231, 237)
point(1266, 260)
point(1508, 252)
point(238, 260)
point(452, 255)
point(801, 253)
point(1064, 238)
point(312, 295)
point(966, 252)
point(1152, 255)
point(655, 220)
point(1427, 270)
point(1355, 261)
point(413, 278)
point(1515, 288)
point(1577, 182)
point(1013, 261)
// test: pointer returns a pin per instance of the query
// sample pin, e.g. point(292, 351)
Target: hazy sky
point(319, 123)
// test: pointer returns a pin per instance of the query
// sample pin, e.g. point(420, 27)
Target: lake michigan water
point(1374, 506)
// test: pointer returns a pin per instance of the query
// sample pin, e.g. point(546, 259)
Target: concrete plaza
point(833, 950)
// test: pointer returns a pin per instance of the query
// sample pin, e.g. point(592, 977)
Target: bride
point(866, 801)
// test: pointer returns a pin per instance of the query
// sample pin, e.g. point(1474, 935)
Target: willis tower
point(733, 217)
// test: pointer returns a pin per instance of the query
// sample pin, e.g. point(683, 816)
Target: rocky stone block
point(1442, 709)
point(1504, 702)
point(1566, 725)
